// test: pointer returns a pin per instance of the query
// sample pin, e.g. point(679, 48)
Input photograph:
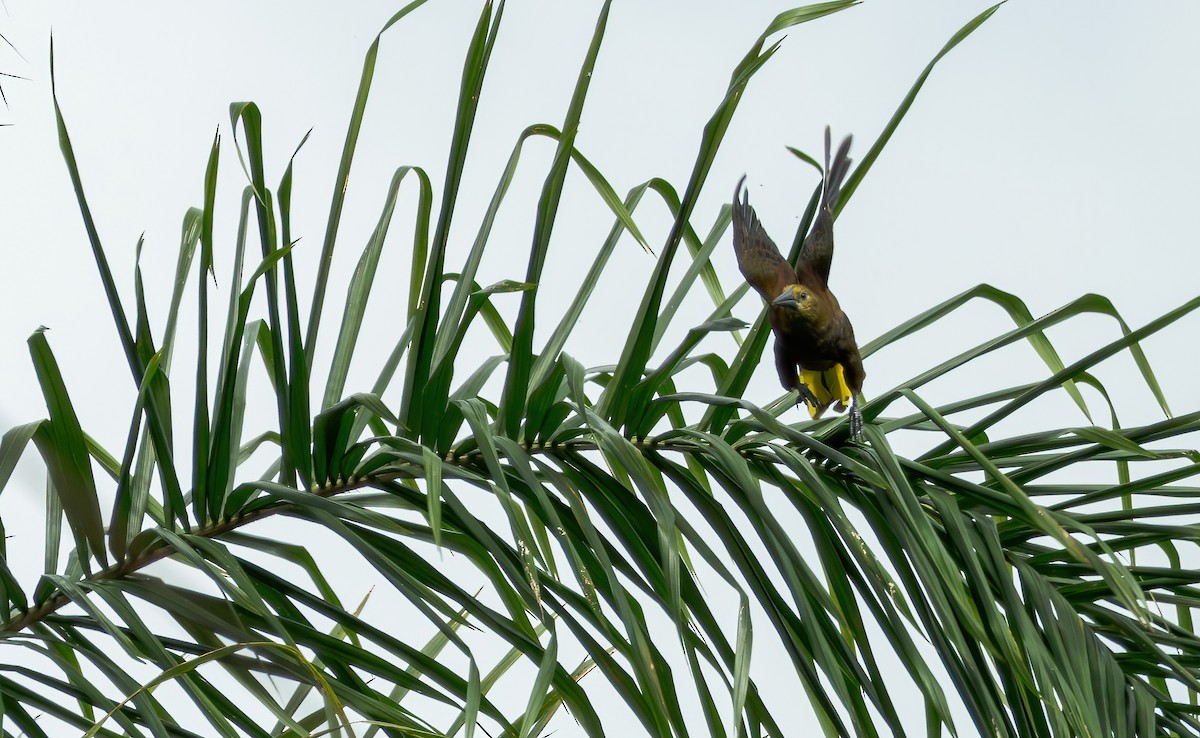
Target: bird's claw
point(856, 423)
point(807, 397)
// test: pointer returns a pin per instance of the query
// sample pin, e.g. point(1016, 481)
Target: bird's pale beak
point(785, 300)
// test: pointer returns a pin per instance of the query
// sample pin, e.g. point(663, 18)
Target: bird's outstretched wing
point(816, 255)
point(758, 258)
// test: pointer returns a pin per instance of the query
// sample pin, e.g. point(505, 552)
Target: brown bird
point(815, 350)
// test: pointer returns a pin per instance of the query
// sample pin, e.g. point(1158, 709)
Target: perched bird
point(815, 351)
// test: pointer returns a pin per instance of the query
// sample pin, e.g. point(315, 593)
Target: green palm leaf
point(557, 547)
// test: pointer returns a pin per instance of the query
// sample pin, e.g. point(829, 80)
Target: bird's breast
point(810, 341)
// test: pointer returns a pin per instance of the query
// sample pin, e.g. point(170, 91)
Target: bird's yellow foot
point(809, 399)
point(814, 392)
point(827, 387)
point(841, 390)
point(834, 381)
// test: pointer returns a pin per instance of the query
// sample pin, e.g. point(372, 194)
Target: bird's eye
point(803, 295)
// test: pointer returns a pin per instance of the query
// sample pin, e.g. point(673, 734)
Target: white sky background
point(1051, 154)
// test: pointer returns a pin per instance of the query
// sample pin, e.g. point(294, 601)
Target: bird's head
point(799, 298)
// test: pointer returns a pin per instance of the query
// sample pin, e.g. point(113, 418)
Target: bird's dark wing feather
point(816, 255)
point(758, 257)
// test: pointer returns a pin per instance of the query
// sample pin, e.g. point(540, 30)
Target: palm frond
point(560, 546)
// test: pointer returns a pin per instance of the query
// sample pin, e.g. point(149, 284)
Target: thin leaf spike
point(173, 495)
point(62, 445)
point(520, 362)
point(342, 182)
point(420, 357)
point(247, 113)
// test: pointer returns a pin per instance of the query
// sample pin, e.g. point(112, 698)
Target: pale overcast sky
point(1052, 154)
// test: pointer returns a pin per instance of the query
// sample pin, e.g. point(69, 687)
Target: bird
point(815, 350)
